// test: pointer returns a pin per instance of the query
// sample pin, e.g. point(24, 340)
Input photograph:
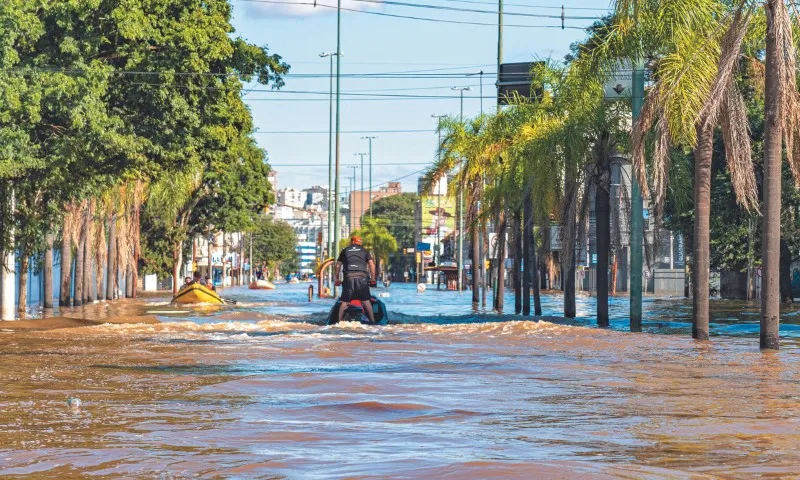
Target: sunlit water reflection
point(263, 390)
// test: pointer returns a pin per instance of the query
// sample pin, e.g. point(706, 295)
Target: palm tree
point(377, 239)
point(172, 198)
point(695, 48)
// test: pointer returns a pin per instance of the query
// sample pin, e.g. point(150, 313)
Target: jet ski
point(355, 313)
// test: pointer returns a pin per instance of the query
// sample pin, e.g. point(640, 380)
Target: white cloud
point(299, 8)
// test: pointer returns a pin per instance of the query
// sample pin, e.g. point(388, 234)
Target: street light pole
point(370, 139)
point(336, 231)
point(461, 91)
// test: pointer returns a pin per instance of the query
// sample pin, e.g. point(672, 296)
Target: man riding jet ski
point(357, 265)
point(354, 312)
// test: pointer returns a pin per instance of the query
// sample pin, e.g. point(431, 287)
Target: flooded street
point(262, 390)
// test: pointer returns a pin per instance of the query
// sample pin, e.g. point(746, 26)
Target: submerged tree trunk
point(47, 272)
point(515, 274)
point(501, 263)
point(701, 253)
point(224, 257)
point(177, 259)
point(137, 248)
point(786, 275)
point(528, 267)
point(129, 287)
point(602, 202)
point(101, 263)
point(210, 263)
point(476, 264)
point(530, 239)
point(484, 255)
point(773, 151)
point(80, 263)
point(66, 267)
point(112, 254)
point(117, 266)
point(88, 294)
point(23, 284)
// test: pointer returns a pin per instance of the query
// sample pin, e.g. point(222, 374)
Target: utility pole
point(330, 155)
point(461, 91)
point(337, 231)
point(370, 139)
point(499, 41)
point(361, 193)
point(637, 211)
point(437, 258)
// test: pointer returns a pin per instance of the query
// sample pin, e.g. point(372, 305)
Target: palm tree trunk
point(177, 259)
point(224, 256)
point(770, 244)
point(101, 264)
point(87, 267)
point(117, 265)
point(79, 262)
point(137, 248)
point(701, 261)
point(210, 264)
point(602, 203)
point(517, 262)
point(484, 253)
point(23, 284)
point(476, 261)
point(501, 263)
point(47, 272)
point(530, 249)
point(129, 287)
point(112, 254)
point(66, 266)
point(529, 268)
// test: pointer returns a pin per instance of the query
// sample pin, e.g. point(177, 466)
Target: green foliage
point(274, 244)
point(377, 239)
point(398, 212)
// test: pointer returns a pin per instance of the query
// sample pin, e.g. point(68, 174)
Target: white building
point(291, 197)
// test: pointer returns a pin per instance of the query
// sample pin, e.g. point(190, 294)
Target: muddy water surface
point(262, 390)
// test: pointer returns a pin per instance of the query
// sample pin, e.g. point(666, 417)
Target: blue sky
point(372, 44)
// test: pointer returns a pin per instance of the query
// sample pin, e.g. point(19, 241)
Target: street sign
point(423, 246)
point(408, 251)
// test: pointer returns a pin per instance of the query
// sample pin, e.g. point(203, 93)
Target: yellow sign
point(438, 213)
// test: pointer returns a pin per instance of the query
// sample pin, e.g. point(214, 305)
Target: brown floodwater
point(243, 393)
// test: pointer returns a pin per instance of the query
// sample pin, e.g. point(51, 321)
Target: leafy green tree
point(274, 244)
point(378, 239)
point(398, 211)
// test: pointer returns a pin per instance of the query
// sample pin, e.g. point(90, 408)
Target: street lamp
point(461, 91)
point(331, 201)
point(370, 139)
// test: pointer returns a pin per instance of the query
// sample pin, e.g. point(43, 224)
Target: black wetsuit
point(355, 260)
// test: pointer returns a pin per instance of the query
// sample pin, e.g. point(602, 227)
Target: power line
point(359, 132)
point(522, 5)
point(472, 10)
point(410, 17)
point(346, 164)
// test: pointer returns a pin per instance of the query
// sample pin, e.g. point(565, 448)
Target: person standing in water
point(359, 268)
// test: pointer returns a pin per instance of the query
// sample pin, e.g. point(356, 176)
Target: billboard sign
point(438, 216)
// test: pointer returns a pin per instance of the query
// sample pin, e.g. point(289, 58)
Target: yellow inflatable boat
point(197, 294)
